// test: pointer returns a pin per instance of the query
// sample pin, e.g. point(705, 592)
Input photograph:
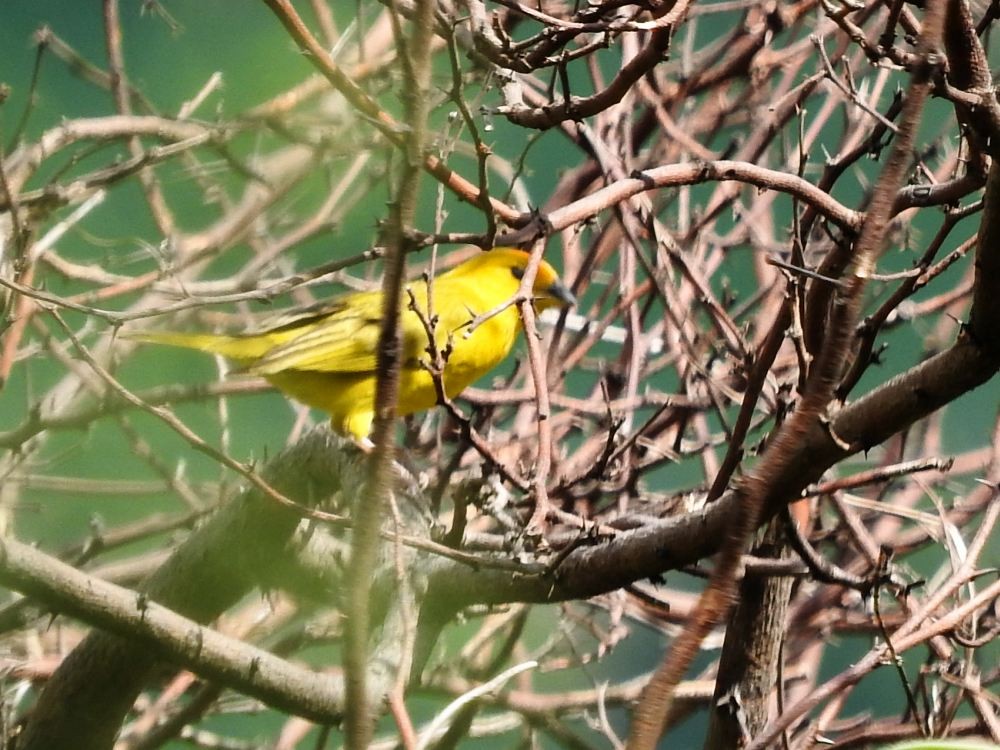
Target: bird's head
point(510, 263)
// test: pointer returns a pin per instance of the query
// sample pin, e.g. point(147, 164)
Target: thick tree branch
point(165, 635)
point(82, 706)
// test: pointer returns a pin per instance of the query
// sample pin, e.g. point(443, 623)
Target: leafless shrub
point(752, 200)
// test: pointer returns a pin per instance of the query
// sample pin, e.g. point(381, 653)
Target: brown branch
point(415, 52)
point(918, 628)
point(25, 161)
point(536, 362)
point(120, 89)
point(776, 466)
point(880, 474)
point(692, 173)
point(577, 108)
point(392, 130)
point(748, 665)
point(969, 69)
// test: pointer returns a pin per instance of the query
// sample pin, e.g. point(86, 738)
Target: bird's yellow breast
point(349, 398)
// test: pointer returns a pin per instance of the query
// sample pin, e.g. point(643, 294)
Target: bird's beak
point(560, 292)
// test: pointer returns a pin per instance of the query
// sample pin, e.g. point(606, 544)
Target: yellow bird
point(325, 357)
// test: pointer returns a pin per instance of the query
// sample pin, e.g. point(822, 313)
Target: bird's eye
point(518, 273)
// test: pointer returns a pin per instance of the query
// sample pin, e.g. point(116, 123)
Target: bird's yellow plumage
point(326, 357)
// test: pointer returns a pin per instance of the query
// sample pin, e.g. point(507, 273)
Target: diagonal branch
point(82, 706)
point(170, 636)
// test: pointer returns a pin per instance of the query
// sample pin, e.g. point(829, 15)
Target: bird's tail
point(242, 349)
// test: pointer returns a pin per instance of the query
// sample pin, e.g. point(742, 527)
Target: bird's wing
point(342, 341)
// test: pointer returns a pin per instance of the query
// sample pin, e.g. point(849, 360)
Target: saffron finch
point(326, 356)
